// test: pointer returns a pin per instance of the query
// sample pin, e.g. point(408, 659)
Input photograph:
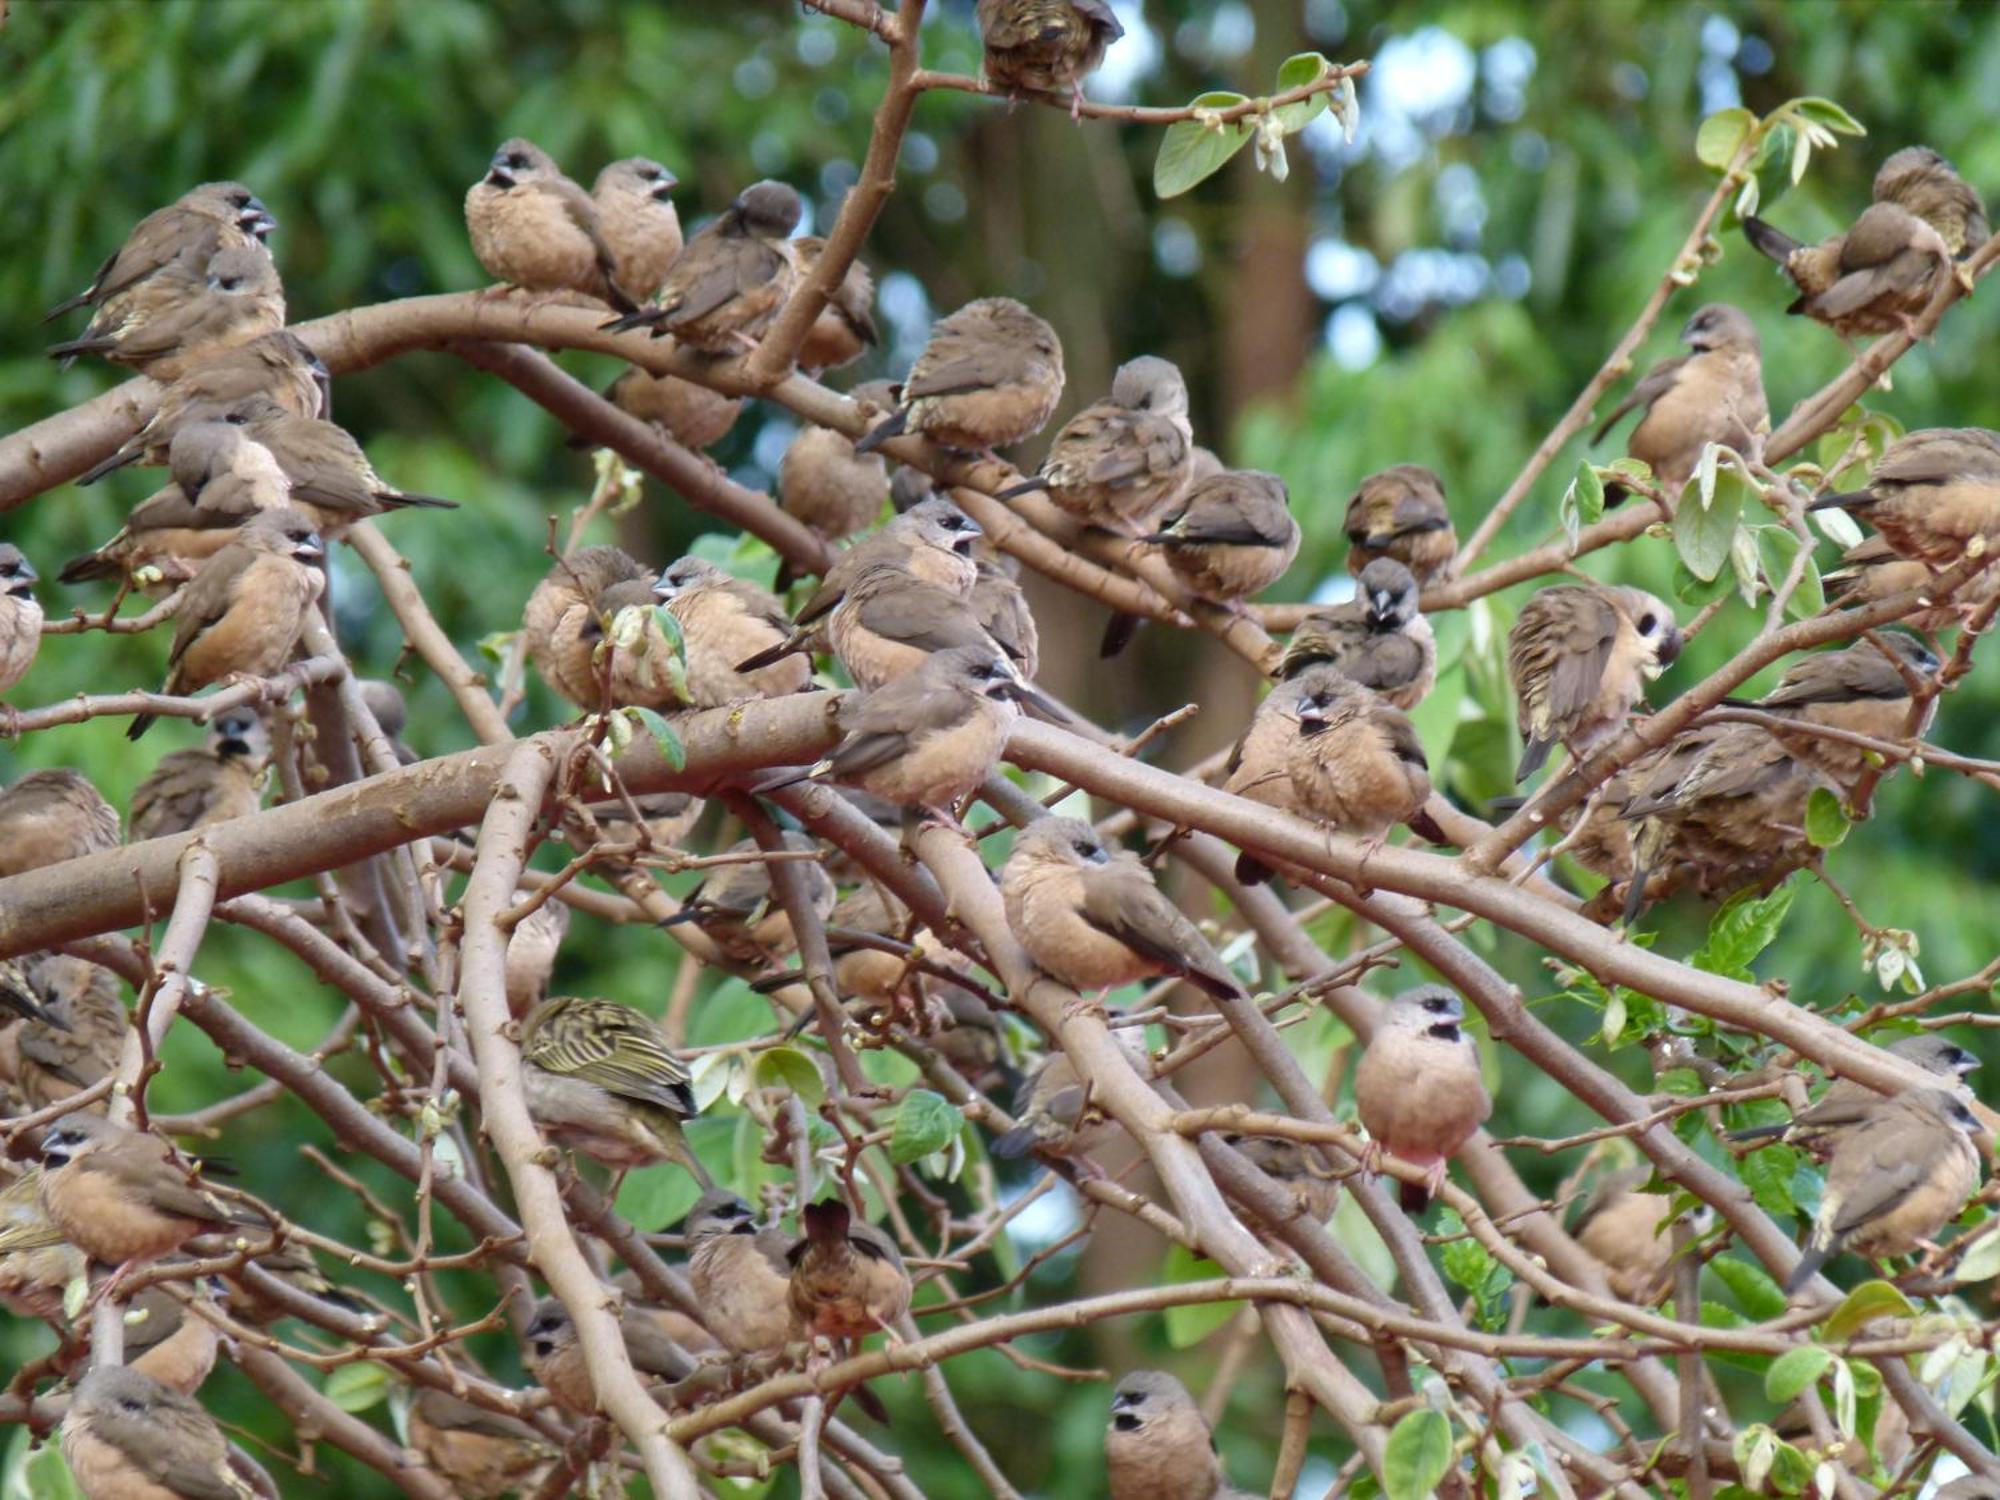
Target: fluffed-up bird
point(77, 1040)
point(185, 314)
point(848, 1277)
point(1861, 688)
point(1378, 638)
point(1713, 395)
point(1630, 1233)
point(1817, 1128)
point(1418, 1088)
point(1875, 278)
point(639, 664)
point(725, 620)
point(740, 1274)
point(482, 1454)
point(634, 198)
point(1003, 612)
point(933, 541)
point(20, 616)
point(1121, 461)
point(554, 1355)
point(561, 611)
point(1896, 1177)
point(36, 1263)
point(243, 613)
point(1400, 513)
point(990, 376)
point(49, 816)
point(1092, 917)
point(845, 328)
point(733, 276)
point(1046, 46)
point(823, 482)
point(692, 415)
point(534, 228)
point(1934, 495)
point(128, 1437)
point(601, 1079)
point(1871, 571)
point(735, 906)
point(1231, 536)
point(1294, 1166)
point(1158, 1445)
point(213, 216)
point(1579, 657)
point(1922, 181)
point(191, 789)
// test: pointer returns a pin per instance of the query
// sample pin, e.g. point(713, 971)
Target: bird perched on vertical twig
point(1579, 657)
point(559, 613)
point(1417, 1088)
point(732, 278)
point(601, 1078)
point(214, 216)
point(1046, 46)
point(1400, 513)
point(50, 816)
point(20, 616)
point(1230, 536)
point(185, 313)
point(990, 375)
point(1713, 395)
point(535, 229)
point(1378, 638)
point(634, 199)
point(1119, 461)
point(244, 611)
point(193, 788)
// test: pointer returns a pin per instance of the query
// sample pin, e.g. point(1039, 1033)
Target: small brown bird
point(244, 611)
point(77, 1039)
point(1400, 513)
point(1417, 1088)
point(1119, 462)
point(823, 482)
point(128, 1437)
point(733, 277)
point(1580, 657)
point(194, 788)
point(635, 214)
point(991, 375)
point(121, 1197)
point(534, 228)
point(601, 1079)
point(482, 1454)
point(934, 542)
point(1314, 1188)
point(1922, 181)
point(1871, 571)
point(1714, 395)
point(1158, 1445)
point(554, 1355)
point(1003, 611)
point(280, 367)
point(331, 477)
point(740, 1275)
point(1629, 1232)
point(1046, 46)
point(203, 220)
point(1326, 748)
point(166, 1341)
point(845, 328)
point(889, 622)
point(20, 616)
point(1093, 918)
point(561, 612)
point(725, 620)
point(1860, 688)
point(533, 946)
point(36, 1263)
point(1896, 1177)
point(1873, 279)
point(928, 739)
point(848, 1277)
point(1231, 536)
point(186, 313)
point(49, 816)
point(1378, 639)
point(391, 713)
point(692, 415)
point(639, 665)
point(1818, 1128)
point(1933, 493)
point(735, 907)
point(1966, 1486)
point(1053, 1109)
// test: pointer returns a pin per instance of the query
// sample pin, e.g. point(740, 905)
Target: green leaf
point(355, 1388)
point(670, 626)
point(1752, 1286)
point(1694, 591)
point(1794, 1370)
point(38, 1473)
point(925, 1122)
point(1982, 1261)
point(1720, 136)
point(1703, 533)
point(1776, 547)
point(1744, 927)
point(1191, 151)
point(1583, 502)
point(1826, 821)
point(1867, 1302)
point(1768, 1175)
point(790, 1069)
point(1417, 1456)
point(1826, 112)
point(671, 749)
point(1189, 1324)
point(1298, 70)
point(650, 1200)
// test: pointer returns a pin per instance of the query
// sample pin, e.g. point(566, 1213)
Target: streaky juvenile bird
point(990, 376)
point(1378, 639)
point(1580, 657)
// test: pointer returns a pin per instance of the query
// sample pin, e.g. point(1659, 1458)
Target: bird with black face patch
point(1378, 638)
point(192, 789)
point(20, 616)
point(1817, 1129)
point(1418, 1088)
point(635, 213)
point(128, 1437)
point(740, 1275)
point(190, 230)
point(1158, 1445)
point(1862, 689)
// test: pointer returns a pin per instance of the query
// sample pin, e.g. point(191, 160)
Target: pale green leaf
point(1825, 112)
point(1703, 534)
point(925, 1123)
point(1794, 1370)
point(1191, 151)
point(1298, 70)
point(1827, 824)
point(355, 1388)
point(1417, 1456)
point(1721, 134)
point(1189, 1324)
point(671, 749)
point(1867, 1302)
point(790, 1069)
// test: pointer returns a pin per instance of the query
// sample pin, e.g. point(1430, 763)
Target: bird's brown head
point(233, 203)
point(1431, 1009)
point(287, 531)
point(1150, 384)
point(1720, 326)
point(938, 523)
point(1068, 841)
point(769, 210)
point(517, 161)
point(550, 1330)
point(1388, 593)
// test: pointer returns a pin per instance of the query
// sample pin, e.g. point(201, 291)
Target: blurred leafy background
point(1434, 292)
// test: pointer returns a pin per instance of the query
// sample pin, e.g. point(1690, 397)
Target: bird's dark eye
point(516, 159)
point(1646, 624)
point(230, 283)
point(132, 1403)
point(1083, 846)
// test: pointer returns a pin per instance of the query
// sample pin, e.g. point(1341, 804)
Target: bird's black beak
point(1027, 695)
point(663, 189)
point(1381, 609)
point(310, 549)
point(499, 176)
point(1669, 649)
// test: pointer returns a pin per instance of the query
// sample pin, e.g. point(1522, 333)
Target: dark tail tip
point(639, 318)
point(1412, 1198)
point(86, 568)
point(1532, 757)
point(109, 465)
point(1251, 870)
point(1025, 487)
point(1847, 500)
point(1425, 827)
point(401, 499)
point(890, 427)
point(1769, 241)
point(1118, 633)
point(140, 724)
point(1014, 1144)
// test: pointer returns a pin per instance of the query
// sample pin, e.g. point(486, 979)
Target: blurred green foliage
point(1524, 175)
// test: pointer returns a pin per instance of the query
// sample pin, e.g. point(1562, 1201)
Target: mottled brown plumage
point(732, 278)
point(482, 1454)
point(1935, 491)
point(77, 1040)
point(735, 906)
point(1046, 46)
point(601, 1079)
point(1002, 609)
point(823, 482)
point(990, 375)
point(847, 1277)
point(191, 789)
point(1418, 1088)
point(1579, 657)
point(1873, 279)
point(1919, 179)
point(36, 1263)
point(1120, 461)
point(692, 415)
point(1862, 689)
point(20, 616)
point(1713, 395)
point(534, 228)
point(1231, 536)
point(186, 313)
point(560, 613)
point(1630, 1233)
point(1378, 639)
point(1400, 513)
point(50, 816)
